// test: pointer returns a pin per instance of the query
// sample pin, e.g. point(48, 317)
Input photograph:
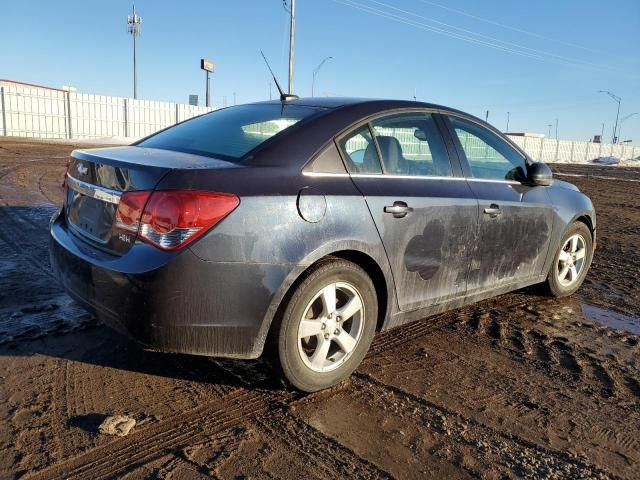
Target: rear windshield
point(229, 133)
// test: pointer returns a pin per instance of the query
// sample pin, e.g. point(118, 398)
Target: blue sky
point(538, 60)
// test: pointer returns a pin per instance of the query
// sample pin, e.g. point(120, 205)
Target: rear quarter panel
point(268, 229)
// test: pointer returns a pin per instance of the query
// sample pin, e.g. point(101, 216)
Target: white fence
point(565, 151)
point(28, 111)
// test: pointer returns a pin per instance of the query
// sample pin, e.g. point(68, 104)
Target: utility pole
point(134, 22)
point(292, 34)
point(508, 115)
point(556, 129)
point(619, 101)
point(315, 72)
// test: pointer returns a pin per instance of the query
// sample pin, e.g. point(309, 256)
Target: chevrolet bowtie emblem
point(82, 169)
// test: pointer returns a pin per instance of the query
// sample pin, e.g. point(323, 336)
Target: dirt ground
point(517, 386)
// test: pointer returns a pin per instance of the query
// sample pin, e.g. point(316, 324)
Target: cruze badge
point(82, 169)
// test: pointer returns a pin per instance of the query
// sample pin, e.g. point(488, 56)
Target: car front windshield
point(229, 133)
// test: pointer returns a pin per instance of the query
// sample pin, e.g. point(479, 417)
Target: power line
point(423, 26)
point(442, 31)
point(509, 27)
point(489, 38)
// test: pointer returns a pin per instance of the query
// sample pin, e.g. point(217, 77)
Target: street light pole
point(619, 101)
point(508, 115)
point(549, 125)
point(315, 72)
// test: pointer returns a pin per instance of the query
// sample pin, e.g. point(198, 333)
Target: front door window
point(489, 157)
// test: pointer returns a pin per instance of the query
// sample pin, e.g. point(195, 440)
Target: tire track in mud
point(395, 337)
point(531, 345)
point(24, 236)
point(222, 446)
point(554, 354)
point(495, 329)
point(324, 453)
point(475, 314)
point(44, 308)
point(568, 362)
point(508, 450)
point(116, 457)
point(566, 358)
point(600, 373)
point(42, 192)
point(542, 352)
point(607, 435)
point(44, 162)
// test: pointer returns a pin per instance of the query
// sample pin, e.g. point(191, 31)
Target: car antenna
point(284, 97)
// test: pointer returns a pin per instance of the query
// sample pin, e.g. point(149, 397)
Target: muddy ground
point(517, 386)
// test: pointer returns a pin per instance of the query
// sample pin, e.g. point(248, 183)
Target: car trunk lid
point(97, 178)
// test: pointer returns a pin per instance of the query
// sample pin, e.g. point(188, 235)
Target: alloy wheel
point(571, 260)
point(331, 327)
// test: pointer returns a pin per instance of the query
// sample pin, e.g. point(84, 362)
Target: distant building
point(8, 83)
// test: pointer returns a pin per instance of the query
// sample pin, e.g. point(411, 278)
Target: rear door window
point(360, 151)
point(411, 144)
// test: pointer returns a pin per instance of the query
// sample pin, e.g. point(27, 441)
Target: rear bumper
point(167, 301)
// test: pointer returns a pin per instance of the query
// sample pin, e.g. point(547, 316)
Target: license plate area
point(90, 216)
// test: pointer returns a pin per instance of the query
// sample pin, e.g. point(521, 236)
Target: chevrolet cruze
point(299, 228)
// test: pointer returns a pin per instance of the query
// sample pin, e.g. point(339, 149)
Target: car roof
point(335, 114)
point(339, 102)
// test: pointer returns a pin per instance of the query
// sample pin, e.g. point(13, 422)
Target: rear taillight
point(130, 210)
point(172, 219)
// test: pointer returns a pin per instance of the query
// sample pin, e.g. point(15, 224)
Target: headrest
point(391, 153)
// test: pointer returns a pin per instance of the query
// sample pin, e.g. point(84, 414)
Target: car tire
point(564, 280)
point(339, 333)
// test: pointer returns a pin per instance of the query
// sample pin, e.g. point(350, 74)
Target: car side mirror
point(540, 174)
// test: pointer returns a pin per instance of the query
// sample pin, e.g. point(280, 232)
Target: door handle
point(493, 211)
point(398, 209)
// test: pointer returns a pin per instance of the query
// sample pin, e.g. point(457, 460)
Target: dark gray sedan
point(301, 228)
